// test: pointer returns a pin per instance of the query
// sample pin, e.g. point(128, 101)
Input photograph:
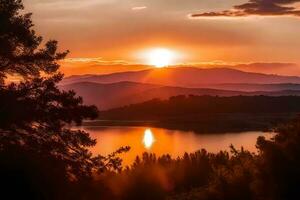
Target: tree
point(19, 53)
point(35, 142)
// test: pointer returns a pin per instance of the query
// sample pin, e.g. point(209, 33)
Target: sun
point(160, 57)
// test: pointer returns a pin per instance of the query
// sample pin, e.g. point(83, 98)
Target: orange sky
point(116, 31)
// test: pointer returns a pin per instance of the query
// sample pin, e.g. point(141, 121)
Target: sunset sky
point(115, 35)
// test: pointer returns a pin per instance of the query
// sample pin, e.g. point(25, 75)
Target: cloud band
point(257, 7)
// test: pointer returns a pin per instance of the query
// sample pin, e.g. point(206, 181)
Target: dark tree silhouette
point(39, 155)
point(19, 50)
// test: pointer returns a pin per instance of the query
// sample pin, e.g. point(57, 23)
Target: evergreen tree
point(37, 150)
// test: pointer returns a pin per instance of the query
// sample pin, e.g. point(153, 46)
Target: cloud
point(258, 7)
point(119, 32)
point(139, 8)
point(94, 61)
point(97, 65)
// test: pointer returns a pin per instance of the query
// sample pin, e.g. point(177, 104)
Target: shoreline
point(217, 124)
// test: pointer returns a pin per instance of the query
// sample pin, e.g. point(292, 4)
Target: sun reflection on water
point(148, 139)
point(163, 141)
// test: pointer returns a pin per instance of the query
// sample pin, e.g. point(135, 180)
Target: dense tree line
point(193, 105)
point(208, 114)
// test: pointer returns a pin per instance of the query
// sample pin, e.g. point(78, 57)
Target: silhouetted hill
point(206, 114)
point(107, 96)
point(186, 106)
point(255, 87)
point(186, 77)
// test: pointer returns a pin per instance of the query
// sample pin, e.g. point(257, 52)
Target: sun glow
point(148, 139)
point(160, 57)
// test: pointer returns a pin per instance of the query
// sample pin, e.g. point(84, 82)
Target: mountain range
point(186, 77)
point(119, 89)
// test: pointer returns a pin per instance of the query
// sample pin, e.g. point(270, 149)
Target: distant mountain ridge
point(112, 95)
point(246, 87)
point(186, 77)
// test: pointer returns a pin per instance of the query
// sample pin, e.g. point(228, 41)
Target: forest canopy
point(188, 105)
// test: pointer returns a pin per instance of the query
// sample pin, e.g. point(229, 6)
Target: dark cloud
point(257, 7)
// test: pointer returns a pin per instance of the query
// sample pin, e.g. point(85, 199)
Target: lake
point(162, 141)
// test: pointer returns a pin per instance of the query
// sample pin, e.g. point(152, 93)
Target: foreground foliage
point(39, 157)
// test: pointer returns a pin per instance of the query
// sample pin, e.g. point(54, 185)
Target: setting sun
point(160, 57)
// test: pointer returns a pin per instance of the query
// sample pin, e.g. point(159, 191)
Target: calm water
point(161, 141)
